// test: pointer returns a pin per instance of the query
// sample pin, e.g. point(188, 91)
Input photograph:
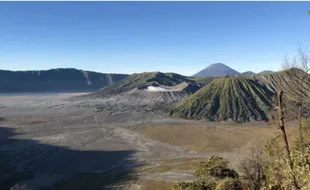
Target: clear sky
point(129, 37)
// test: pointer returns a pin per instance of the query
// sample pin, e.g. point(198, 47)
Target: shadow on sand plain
point(30, 162)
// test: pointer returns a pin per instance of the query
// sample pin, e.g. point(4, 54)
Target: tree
point(216, 167)
point(249, 163)
point(290, 167)
point(285, 140)
point(211, 172)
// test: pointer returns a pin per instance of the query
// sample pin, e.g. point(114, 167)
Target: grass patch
point(206, 138)
point(178, 160)
point(166, 165)
point(154, 185)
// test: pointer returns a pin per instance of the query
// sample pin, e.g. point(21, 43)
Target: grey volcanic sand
point(54, 138)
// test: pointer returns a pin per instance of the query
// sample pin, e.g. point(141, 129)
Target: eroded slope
point(142, 80)
point(223, 99)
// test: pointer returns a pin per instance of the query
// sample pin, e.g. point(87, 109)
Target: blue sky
point(129, 37)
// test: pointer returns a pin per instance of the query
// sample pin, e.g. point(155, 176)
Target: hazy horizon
point(121, 72)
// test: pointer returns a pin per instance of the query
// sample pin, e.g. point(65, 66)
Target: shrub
point(229, 184)
point(201, 184)
point(250, 162)
point(215, 166)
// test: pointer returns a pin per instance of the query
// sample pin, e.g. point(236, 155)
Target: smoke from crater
point(156, 89)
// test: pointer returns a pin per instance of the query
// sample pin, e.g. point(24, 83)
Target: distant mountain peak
point(248, 73)
point(217, 64)
point(216, 70)
point(265, 72)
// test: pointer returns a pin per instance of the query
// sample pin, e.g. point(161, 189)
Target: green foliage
point(202, 184)
point(207, 167)
point(211, 172)
point(277, 173)
point(277, 167)
point(229, 184)
point(273, 168)
point(273, 149)
point(301, 162)
point(306, 130)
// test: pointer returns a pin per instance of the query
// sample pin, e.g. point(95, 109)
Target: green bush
point(211, 172)
point(201, 184)
point(215, 166)
point(229, 184)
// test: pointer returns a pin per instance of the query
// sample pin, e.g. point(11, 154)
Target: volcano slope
point(224, 99)
point(292, 82)
point(295, 84)
point(141, 79)
point(143, 92)
point(155, 92)
point(148, 87)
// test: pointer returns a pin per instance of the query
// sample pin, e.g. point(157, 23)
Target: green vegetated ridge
point(235, 98)
point(141, 79)
point(55, 80)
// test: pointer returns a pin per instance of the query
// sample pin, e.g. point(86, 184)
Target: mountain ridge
point(55, 80)
point(248, 73)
